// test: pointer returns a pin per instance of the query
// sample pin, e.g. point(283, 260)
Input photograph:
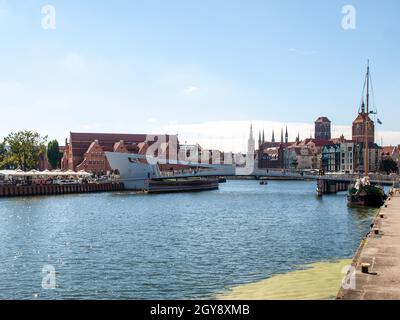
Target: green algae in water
point(317, 281)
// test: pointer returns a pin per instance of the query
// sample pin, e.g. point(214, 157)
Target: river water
point(172, 246)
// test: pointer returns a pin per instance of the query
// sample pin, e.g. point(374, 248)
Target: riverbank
point(54, 189)
point(317, 281)
point(379, 254)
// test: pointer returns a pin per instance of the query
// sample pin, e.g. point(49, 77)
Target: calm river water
point(172, 246)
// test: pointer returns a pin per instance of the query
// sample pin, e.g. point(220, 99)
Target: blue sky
point(147, 66)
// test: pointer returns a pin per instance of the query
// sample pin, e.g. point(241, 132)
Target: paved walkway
point(381, 250)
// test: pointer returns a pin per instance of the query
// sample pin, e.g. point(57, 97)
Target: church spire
point(263, 137)
point(259, 138)
point(251, 142)
point(286, 136)
point(273, 136)
point(281, 135)
point(363, 107)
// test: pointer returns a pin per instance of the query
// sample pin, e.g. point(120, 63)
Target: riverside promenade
point(53, 189)
point(377, 261)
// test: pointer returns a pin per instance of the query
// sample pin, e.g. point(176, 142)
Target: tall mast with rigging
point(364, 193)
point(366, 131)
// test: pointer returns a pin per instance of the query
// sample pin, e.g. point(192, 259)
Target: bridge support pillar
point(331, 186)
point(321, 187)
point(327, 187)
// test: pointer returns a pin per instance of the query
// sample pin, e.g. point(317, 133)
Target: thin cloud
point(152, 120)
point(191, 90)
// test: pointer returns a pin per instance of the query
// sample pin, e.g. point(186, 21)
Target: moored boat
point(182, 185)
point(221, 179)
point(364, 193)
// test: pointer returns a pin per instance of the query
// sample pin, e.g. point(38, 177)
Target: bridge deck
point(383, 180)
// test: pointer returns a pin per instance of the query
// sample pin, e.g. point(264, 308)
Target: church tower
point(358, 127)
point(286, 136)
point(323, 129)
point(273, 136)
point(251, 142)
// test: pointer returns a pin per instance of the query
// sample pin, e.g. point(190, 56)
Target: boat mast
point(366, 131)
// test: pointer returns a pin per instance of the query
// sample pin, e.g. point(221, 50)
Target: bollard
point(365, 267)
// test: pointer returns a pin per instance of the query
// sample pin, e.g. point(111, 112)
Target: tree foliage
point(53, 153)
point(390, 166)
point(24, 149)
point(2, 153)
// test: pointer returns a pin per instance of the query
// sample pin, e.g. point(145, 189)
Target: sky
point(202, 69)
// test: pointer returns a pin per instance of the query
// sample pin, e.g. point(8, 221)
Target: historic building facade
point(339, 156)
point(375, 157)
point(331, 158)
point(305, 155)
point(270, 155)
point(86, 151)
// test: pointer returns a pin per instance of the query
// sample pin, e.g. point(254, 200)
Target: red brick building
point(86, 151)
point(358, 128)
point(323, 129)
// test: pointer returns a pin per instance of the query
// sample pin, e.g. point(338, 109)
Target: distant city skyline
point(204, 70)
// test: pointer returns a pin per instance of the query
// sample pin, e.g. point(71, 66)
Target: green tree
point(2, 153)
point(390, 166)
point(25, 147)
point(53, 153)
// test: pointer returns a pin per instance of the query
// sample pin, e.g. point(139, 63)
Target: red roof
point(361, 118)
point(317, 142)
point(80, 142)
point(388, 150)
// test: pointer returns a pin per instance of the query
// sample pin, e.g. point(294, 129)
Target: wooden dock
point(53, 189)
point(376, 264)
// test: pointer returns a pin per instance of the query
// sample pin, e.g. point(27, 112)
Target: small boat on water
point(182, 185)
point(264, 182)
point(363, 193)
point(222, 180)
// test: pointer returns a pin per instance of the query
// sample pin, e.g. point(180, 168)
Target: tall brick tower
point(358, 128)
point(322, 129)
